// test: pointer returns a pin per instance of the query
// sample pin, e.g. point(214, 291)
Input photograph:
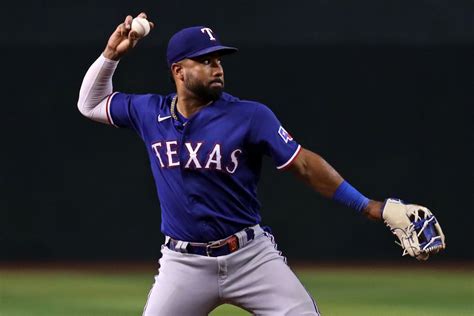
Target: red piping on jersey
point(288, 163)
point(107, 105)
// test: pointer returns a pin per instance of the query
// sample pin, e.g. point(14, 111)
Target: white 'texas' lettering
point(155, 148)
point(193, 155)
point(209, 32)
point(170, 153)
point(233, 157)
point(215, 158)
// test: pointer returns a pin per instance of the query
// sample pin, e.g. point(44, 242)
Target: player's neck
point(188, 105)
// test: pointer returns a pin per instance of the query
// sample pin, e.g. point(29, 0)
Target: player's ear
point(177, 71)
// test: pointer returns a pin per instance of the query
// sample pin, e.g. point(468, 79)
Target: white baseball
point(141, 26)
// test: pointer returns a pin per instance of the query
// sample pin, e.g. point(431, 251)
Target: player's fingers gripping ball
point(416, 228)
point(141, 26)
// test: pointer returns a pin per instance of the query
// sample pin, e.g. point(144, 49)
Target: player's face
point(204, 76)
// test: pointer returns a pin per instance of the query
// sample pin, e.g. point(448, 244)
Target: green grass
point(338, 291)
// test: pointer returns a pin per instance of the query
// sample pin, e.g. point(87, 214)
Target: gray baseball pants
point(255, 278)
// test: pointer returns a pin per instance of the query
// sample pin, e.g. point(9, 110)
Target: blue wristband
point(347, 195)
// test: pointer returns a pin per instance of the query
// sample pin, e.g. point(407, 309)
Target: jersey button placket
point(185, 130)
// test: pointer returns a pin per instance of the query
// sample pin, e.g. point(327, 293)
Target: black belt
point(211, 249)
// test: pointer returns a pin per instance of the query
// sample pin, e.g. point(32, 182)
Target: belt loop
point(242, 236)
point(250, 233)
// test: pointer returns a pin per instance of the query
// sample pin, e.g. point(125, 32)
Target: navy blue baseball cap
point(193, 42)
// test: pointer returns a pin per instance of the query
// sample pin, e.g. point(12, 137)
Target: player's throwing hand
point(123, 38)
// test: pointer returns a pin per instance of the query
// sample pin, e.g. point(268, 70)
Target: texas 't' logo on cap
point(193, 42)
point(209, 32)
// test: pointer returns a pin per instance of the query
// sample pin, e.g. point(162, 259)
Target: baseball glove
point(416, 228)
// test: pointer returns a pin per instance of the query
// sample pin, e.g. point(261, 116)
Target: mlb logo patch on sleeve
point(284, 134)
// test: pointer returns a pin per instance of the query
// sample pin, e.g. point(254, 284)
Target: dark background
point(381, 89)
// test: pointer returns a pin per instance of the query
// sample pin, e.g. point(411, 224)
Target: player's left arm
point(418, 231)
point(416, 228)
point(324, 179)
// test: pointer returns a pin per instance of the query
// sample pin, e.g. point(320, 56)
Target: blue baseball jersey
point(206, 168)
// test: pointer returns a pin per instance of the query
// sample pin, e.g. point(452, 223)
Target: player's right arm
point(96, 89)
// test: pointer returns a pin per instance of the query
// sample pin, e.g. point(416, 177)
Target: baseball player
point(205, 148)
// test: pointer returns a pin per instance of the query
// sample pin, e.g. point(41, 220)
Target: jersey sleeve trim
point(292, 158)
point(107, 109)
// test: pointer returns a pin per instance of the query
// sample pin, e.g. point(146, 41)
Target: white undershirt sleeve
point(96, 90)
